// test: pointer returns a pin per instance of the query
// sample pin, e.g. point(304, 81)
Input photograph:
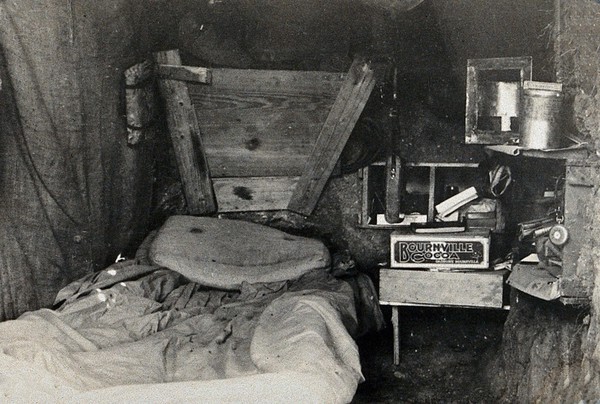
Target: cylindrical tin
point(540, 117)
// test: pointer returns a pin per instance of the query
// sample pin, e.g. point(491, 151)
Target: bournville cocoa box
point(465, 250)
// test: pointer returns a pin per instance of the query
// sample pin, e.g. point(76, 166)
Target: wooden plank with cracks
point(346, 110)
point(262, 123)
point(184, 73)
point(187, 141)
point(253, 193)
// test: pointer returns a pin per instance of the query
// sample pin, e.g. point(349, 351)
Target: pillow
point(223, 253)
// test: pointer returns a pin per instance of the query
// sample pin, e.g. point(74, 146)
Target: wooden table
point(428, 288)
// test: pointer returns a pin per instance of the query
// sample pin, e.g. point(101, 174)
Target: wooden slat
point(346, 110)
point(431, 193)
point(262, 123)
point(253, 193)
point(186, 139)
point(465, 289)
point(478, 136)
point(472, 109)
point(393, 184)
point(365, 202)
point(396, 330)
point(184, 73)
point(280, 81)
point(504, 63)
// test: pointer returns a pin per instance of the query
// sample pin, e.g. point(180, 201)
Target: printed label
point(439, 252)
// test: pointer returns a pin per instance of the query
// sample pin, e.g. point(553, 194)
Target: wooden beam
point(184, 73)
point(254, 193)
point(187, 141)
point(346, 110)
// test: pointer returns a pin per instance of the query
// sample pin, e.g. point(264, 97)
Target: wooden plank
point(472, 109)
point(279, 81)
point(184, 73)
point(478, 136)
point(254, 193)
point(366, 204)
point(393, 184)
point(186, 139)
point(346, 110)
point(262, 123)
point(396, 330)
point(503, 63)
point(465, 289)
point(431, 199)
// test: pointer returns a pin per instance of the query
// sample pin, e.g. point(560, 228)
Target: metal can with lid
point(540, 116)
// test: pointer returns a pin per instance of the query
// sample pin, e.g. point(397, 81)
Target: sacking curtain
point(72, 193)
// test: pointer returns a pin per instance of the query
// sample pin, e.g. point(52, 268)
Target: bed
point(142, 331)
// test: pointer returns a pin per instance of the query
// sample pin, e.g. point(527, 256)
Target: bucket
point(540, 116)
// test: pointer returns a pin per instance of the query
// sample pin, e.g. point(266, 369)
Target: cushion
point(223, 253)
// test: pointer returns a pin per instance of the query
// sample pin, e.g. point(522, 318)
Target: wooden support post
point(396, 327)
point(346, 110)
point(187, 141)
point(431, 200)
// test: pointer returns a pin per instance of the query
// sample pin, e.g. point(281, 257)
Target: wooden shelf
point(577, 152)
point(429, 176)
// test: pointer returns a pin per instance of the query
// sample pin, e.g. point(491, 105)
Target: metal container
point(540, 116)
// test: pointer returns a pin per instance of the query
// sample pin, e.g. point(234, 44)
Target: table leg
point(396, 327)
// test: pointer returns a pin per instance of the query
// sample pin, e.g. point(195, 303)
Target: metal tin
point(540, 126)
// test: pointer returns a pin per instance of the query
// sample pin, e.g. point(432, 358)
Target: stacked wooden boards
point(272, 138)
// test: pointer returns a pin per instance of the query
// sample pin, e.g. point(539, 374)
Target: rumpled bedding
point(140, 333)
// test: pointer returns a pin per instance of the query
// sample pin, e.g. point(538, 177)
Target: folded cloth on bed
point(224, 253)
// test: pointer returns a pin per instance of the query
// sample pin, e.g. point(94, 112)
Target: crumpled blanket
point(140, 333)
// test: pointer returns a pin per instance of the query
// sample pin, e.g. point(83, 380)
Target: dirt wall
point(551, 353)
